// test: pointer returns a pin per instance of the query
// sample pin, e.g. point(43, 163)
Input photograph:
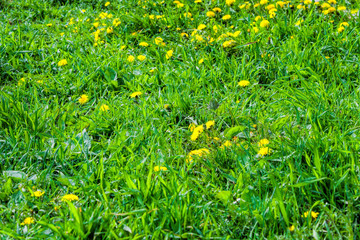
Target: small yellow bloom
point(196, 133)
point(61, 34)
point(210, 14)
point(344, 24)
point(83, 10)
point(169, 54)
point(135, 94)
point(192, 127)
point(264, 151)
point(209, 124)
point(116, 22)
point(130, 58)
point(263, 142)
point(38, 193)
point(199, 153)
point(217, 9)
point(21, 81)
point(292, 228)
point(226, 144)
point(141, 57)
point(230, 2)
point(69, 197)
point(28, 221)
point(201, 61)
point(354, 11)
point(314, 214)
point(340, 29)
point(49, 24)
point(96, 24)
point(143, 44)
point(83, 99)
point(109, 30)
point(201, 27)
point(107, 4)
point(166, 106)
point(264, 23)
point(62, 62)
point(226, 17)
point(263, 2)
point(158, 40)
point(160, 168)
point(229, 43)
point(104, 108)
point(244, 83)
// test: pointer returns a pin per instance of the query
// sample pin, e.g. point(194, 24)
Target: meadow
point(189, 119)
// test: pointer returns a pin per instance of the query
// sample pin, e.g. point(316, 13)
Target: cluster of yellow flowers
point(67, 197)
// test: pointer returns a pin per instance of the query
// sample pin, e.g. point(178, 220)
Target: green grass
point(303, 97)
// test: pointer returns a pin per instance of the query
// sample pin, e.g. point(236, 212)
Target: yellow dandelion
point(264, 151)
point(244, 83)
point(143, 44)
point(264, 23)
point(210, 14)
point(226, 17)
point(37, 193)
point(83, 99)
point(169, 54)
point(136, 94)
point(28, 221)
point(130, 58)
point(104, 108)
point(160, 168)
point(141, 57)
point(201, 27)
point(209, 124)
point(263, 142)
point(69, 197)
point(107, 4)
point(62, 62)
point(292, 228)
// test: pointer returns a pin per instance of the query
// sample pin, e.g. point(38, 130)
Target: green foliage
point(135, 140)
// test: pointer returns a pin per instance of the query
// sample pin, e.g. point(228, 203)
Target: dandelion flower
point(292, 228)
point(217, 9)
point(196, 133)
point(104, 108)
point(201, 27)
point(28, 221)
point(229, 43)
point(264, 151)
point(135, 94)
point(210, 14)
point(49, 24)
point(209, 124)
point(130, 58)
point(62, 62)
point(192, 127)
point(264, 23)
point(38, 193)
point(199, 153)
point(83, 99)
point(141, 57)
point(143, 44)
point(21, 81)
point(263, 142)
point(69, 197)
point(169, 54)
point(230, 2)
point(160, 168)
point(263, 2)
point(244, 83)
point(107, 4)
point(226, 17)
point(109, 30)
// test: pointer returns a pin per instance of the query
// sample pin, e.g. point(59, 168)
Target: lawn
point(156, 119)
